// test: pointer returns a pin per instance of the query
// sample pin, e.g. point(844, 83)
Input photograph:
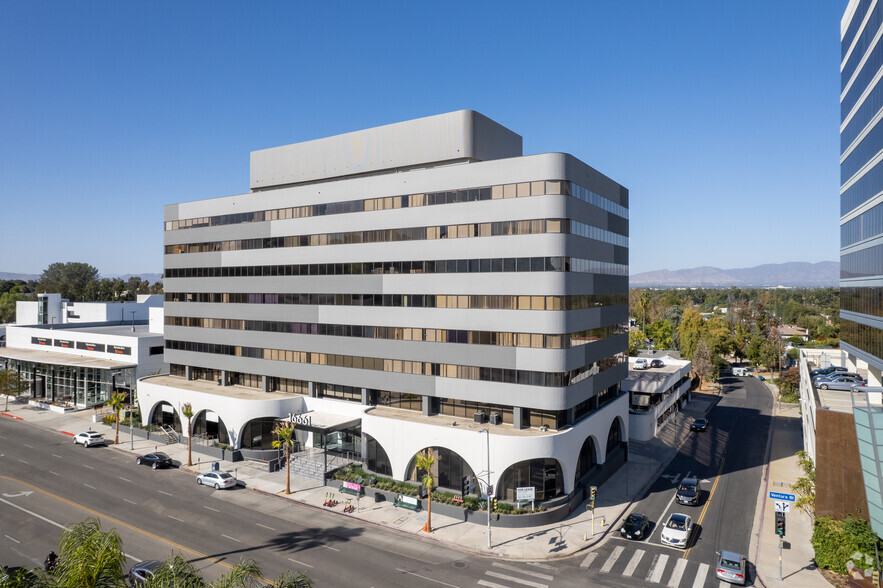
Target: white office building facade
point(384, 286)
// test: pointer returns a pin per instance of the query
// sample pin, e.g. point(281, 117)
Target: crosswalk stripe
point(522, 571)
point(491, 584)
point(680, 566)
point(657, 569)
point(540, 565)
point(700, 576)
point(516, 580)
point(608, 565)
point(588, 560)
point(633, 563)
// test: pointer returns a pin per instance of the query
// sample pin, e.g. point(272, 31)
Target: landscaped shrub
point(835, 542)
point(108, 420)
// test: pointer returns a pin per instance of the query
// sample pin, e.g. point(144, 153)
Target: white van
point(741, 371)
point(641, 364)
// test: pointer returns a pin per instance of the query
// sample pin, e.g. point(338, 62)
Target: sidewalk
point(798, 565)
point(562, 539)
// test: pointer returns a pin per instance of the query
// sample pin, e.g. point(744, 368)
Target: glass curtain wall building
point(861, 227)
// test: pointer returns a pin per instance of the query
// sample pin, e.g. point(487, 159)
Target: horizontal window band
point(445, 370)
point(438, 266)
point(458, 301)
point(503, 191)
point(504, 339)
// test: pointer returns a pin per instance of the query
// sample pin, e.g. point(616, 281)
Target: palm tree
point(285, 438)
point(425, 461)
point(117, 403)
point(187, 411)
point(90, 557)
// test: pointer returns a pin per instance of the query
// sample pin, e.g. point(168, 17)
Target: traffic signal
point(464, 486)
point(780, 523)
point(495, 503)
point(592, 491)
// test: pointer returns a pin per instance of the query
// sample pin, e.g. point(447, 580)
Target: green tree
point(689, 332)
point(661, 331)
point(769, 354)
point(740, 342)
point(68, 279)
point(702, 362)
point(636, 341)
point(187, 411)
point(805, 486)
point(117, 403)
point(11, 384)
point(425, 461)
point(285, 438)
point(716, 332)
point(89, 557)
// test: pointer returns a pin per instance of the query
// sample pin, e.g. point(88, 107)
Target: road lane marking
point(29, 447)
point(210, 508)
point(129, 501)
point(611, 561)
point(58, 456)
point(588, 560)
point(300, 563)
point(88, 486)
point(660, 518)
point(265, 526)
point(633, 563)
point(12, 539)
point(53, 473)
point(675, 579)
point(88, 466)
point(126, 480)
point(522, 571)
point(23, 461)
point(657, 569)
point(422, 577)
point(176, 518)
point(231, 538)
point(166, 493)
point(516, 580)
point(115, 521)
point(700, 576)
point(707, 502)
point(331, 548)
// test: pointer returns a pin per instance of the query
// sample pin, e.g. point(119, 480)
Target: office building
point(416, 285)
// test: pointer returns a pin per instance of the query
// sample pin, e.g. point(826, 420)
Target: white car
point(89, 438)
point(677, 531)
point(217, 480)
point(641, 364)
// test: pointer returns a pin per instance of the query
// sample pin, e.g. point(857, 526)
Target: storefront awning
point(322, 422)
point(55, 358)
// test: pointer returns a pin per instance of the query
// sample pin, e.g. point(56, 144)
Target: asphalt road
point(729, 459)
point(47, 482)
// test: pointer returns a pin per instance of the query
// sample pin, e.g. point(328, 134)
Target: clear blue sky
point(720, 118)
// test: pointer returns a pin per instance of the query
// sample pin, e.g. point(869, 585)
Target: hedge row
point(836, 541)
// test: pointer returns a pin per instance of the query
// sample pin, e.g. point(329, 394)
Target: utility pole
point(490, 489)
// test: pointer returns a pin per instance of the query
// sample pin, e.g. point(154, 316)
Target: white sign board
point(526, 493)
point(782, 506)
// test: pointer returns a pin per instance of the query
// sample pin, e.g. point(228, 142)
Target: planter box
point(233, 455)
point(62, 409)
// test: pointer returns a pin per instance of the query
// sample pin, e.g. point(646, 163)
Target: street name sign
point(780, 496)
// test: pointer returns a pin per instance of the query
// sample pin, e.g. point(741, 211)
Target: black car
point(635, 526)
point(827, 371)
point(699, 425)
point(689, 492)
point(155, 460)
point(143, 572)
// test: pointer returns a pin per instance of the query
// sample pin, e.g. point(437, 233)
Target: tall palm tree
point(425, 461)
point(187, 411)
point(89, 557)
point(285, 438)
point(117, 403)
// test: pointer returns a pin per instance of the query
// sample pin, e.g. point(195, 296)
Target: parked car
point(731, 567)
point(840, 383)
point(657, 363)
point(155, 460)
point(635, 526)
point(142, 572)
point(834, 375)
point(699, 425)
point(677, 530)
point(827, 370)
point(217, 480)
point(689, 492)
point(89, 439)
point(641, 364)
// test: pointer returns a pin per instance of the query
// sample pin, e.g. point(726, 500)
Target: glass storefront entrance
point(79, 386)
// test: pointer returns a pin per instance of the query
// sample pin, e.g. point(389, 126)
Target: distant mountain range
point(797, 274)
point(26, 277)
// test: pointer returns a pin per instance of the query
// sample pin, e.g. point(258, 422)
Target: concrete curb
point(757, 527)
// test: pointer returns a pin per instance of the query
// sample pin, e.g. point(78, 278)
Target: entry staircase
point(169, 435)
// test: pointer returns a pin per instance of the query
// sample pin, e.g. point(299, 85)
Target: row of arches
point(206, 423)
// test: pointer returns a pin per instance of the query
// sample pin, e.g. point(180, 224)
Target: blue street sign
point(780, 496)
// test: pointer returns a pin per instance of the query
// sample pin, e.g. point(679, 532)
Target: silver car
point(677, 531)
point(840, 383)
point(731, 567)
point(217, 480)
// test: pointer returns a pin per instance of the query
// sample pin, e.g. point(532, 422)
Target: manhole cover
point(460, 564)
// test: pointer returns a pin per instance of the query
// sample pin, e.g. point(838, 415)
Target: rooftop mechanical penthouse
point(417, 285)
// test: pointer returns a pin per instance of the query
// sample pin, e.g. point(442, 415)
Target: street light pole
point(488, 492)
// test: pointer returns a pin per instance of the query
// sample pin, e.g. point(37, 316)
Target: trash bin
point(378, 497)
